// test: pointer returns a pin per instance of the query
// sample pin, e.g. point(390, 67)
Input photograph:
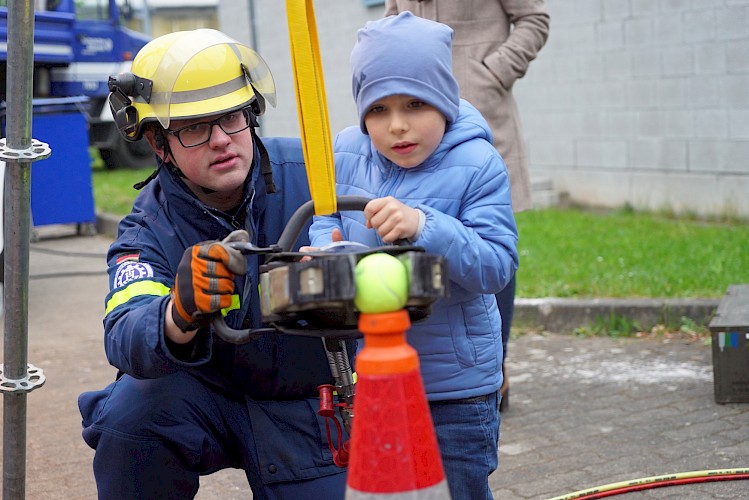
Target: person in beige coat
point(494, 43)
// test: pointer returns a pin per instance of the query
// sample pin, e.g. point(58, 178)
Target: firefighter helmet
point(189, 74)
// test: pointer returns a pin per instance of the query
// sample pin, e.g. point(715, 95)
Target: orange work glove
point(205, 280)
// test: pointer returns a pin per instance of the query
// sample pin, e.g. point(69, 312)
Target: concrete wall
point(643, 102)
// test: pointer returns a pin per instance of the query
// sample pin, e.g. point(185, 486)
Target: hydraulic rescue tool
point(315, 297)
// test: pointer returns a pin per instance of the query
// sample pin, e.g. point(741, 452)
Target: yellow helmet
point(189, 74)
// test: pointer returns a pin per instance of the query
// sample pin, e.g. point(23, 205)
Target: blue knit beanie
point(404, 54)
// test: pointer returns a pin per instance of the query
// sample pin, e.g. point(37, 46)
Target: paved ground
point(583, 413)
point(589, 412)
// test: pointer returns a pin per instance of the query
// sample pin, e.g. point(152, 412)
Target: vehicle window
point(92, 10)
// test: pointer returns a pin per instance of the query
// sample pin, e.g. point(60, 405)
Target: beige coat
point(494, 42)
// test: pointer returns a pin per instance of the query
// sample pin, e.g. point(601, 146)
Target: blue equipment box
point(61, 185)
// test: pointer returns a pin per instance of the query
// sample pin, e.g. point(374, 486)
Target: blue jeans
point(468, 435)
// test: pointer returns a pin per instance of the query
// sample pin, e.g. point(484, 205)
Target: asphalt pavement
point(584, 412)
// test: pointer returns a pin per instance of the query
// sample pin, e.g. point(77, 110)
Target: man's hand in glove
point(204, 284)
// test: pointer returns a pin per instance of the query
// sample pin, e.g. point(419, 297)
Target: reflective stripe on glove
point(205, 280)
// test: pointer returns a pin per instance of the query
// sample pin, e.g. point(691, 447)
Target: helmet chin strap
point(140, 185)
point(161, 143)
point(265, 167)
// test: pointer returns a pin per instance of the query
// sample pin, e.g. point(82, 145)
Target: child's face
point(405, 129)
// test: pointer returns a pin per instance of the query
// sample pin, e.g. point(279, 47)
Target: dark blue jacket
point(166, 219)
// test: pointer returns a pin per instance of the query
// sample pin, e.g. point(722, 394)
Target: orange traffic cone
point(394, 452)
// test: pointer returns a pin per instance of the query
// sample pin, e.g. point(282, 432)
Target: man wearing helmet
point(185, 402)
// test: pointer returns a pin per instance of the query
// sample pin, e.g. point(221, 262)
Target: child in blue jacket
point(426, 159)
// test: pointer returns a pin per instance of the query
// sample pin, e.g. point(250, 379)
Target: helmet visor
point(251, 70)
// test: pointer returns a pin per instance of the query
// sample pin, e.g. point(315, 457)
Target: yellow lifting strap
point(312, 105)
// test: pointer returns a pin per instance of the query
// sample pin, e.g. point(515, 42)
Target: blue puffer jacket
point(464, 191)
point(166, 219)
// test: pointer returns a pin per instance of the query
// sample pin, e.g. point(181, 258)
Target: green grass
point(575, 253)
point(113, 189)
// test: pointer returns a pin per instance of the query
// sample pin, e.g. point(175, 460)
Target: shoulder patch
point(130, 271)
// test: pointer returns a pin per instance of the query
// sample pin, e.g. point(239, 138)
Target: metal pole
point(18, 150)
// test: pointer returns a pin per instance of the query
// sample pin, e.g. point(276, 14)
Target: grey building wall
point(643, 102)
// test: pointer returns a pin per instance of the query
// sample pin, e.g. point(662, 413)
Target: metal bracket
point(38, 151)
point(34, 379)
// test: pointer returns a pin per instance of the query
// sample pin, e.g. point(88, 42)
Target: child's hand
point(335, 235)
point(392, 219)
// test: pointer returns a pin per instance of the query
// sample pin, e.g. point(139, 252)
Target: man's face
point(405, 129)
point(222, 163)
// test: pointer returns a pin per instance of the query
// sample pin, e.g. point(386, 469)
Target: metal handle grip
point(286, 241)
point(306, 211)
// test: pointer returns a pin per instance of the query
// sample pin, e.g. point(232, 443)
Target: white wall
point(631, 101)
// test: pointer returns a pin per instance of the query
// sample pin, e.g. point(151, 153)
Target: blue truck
point(78, 44)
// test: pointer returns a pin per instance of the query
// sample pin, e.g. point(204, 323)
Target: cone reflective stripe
point(394, 451)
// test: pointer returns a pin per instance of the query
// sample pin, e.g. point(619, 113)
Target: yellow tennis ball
point(381, 284)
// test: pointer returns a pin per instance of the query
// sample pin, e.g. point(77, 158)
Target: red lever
point(327, 411)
